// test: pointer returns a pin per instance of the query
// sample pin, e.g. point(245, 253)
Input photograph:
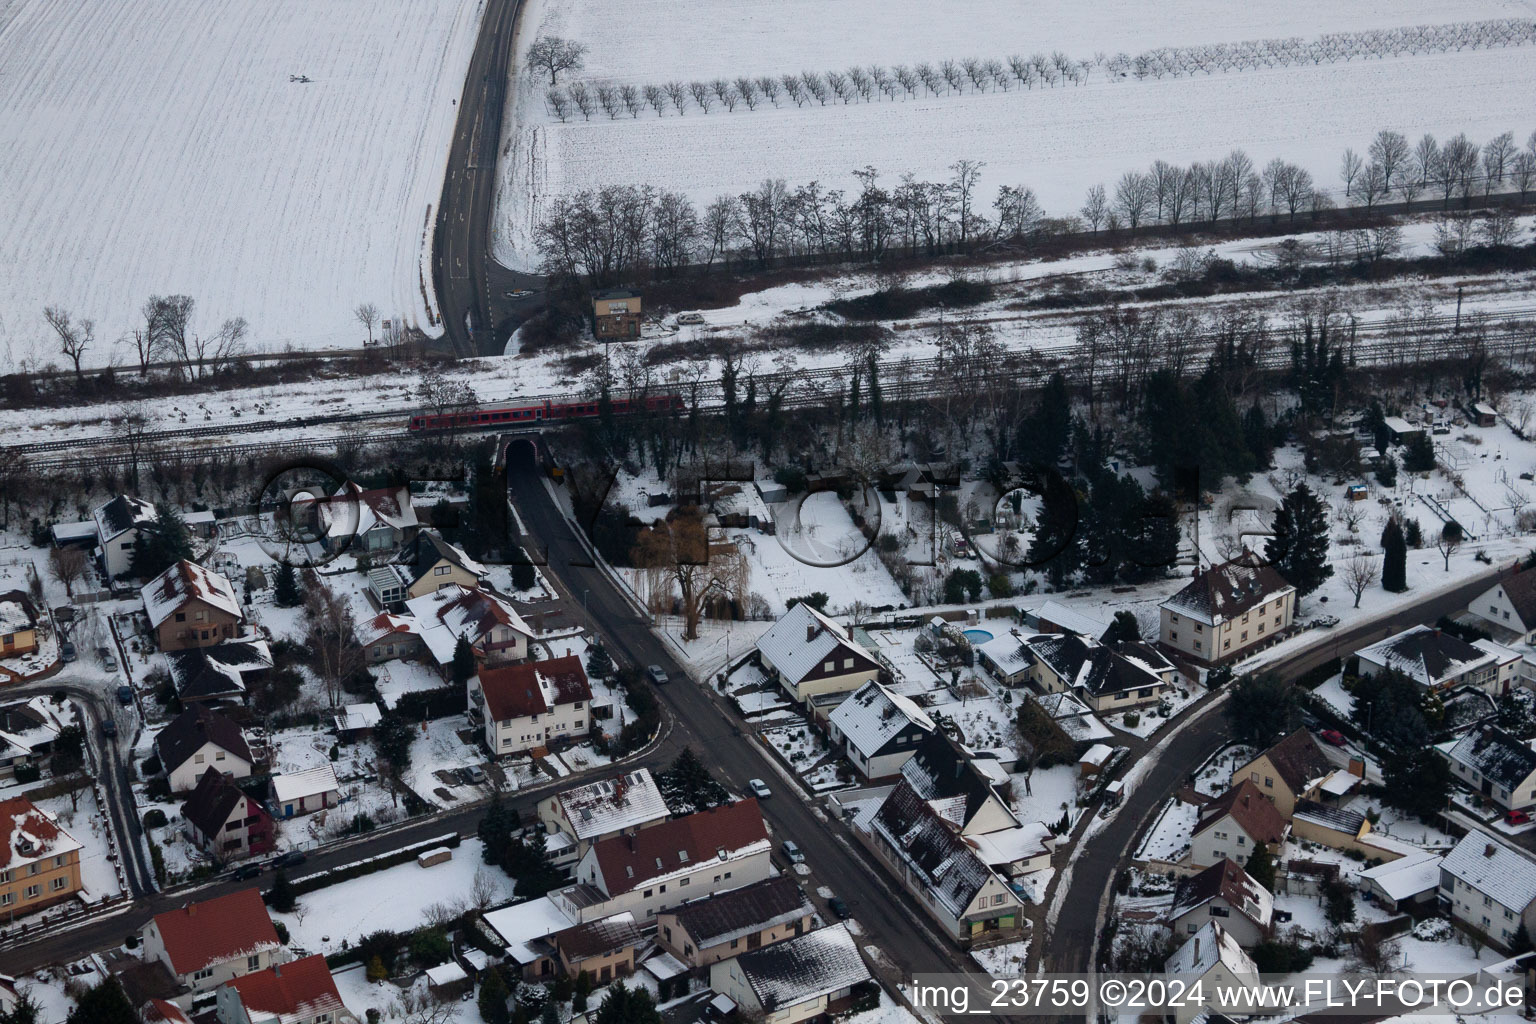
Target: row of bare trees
point(619, 232)
point(876, 83)
point(168, 332)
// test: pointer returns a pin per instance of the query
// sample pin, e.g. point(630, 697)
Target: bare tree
point(1095, 207)
point(582, 97)
point(484, 891)
point(681, 561)
point(1360, 573)
point(367, 314)
point(331, 640)
point(1391, 151)
point(553, 55)
point(74, 337)
point(66, 565)
point(701, 95)
point(1349, 170)
point(967, 173)
point(656, 97)
point(1448, 541)
point(560, 103)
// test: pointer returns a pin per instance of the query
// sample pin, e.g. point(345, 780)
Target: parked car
point(67, 651)
point(245, 871)
point(474, 774)
point(792, 852)
point(109, 728)
point(1333, 736)
point(108, 662)
point(292, 858)
point(690, 318)
point(839, 907)
point(658, 675)
point(759, 789)
point(125, 695)
point(1517, 818)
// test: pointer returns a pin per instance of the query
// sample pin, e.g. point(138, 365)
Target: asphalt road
point(701, 720)
point(472, 290)
point(1101, 859)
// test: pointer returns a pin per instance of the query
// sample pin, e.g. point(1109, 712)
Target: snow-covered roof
point(309, 782)
point(446, 974)
point(445, 615)
point(428, 548)
point(1495, 754)
point(1098, 668)
point(1073, 717)
point(1209, 946)
point(1009, 845)
point(352, 511)
point(937, 857)
point(1096, 755)
point(1398, 425)
point(386, 624)
point(1055, 617)
point(1007, 652)
point(652, 855)
point(875, 715)
point(525, 923)
point(803, 968)
point(664, 965)
point(187, 581)
point(1339, 819)
point(122, 514)
point(1225, 591)
point(64, 533)
point(740, 912)
point(29, 834)
point(1407, 876)
point(1494, 868)
point(1428, 656)
point(28, 725)
point(530, 688)
point(219, 670)
point(612, 805)
point(801, 640)
point(1340, 782)
point(358, 716)
point(1225, 879)
point(16, 613)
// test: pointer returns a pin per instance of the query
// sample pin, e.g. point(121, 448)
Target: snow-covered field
point(159, 148)
point(1057, 141)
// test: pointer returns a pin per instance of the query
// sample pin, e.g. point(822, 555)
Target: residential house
point(1291, 770)
point(189, 606)
point(198, 739)
point(28, 729)
point(18, 624)
point(719, 927)
point(1507, 609)
point(605, 808)
point(1228, 610)
point(1015, 852)
point(878, 729)
point(1235, 824)
point(657, 868)
point(809, 976)
point(368, 521)
point(1489, 886)
point(1340, 828)
point(523, 931)
point(305, 792)
point(432, 564)
point(225, 823)
point(1106, 677)
point(162, 1011)
point(616, 314)
point(1432, 658)
point(808, 655)
point(941, 867)
point(387, 636)
point(940, 773)
point(496, 632)
point(355, 722)
point(118, 523)
point(1074, 718)
point(1226, 893)
point(299, 992)
point(1510, 665)
point(1492, 762)
point(1213, 959)
point(1401, 430)
point(1006, 658)
point(1405, 884)
point(220, 673)
point(205, 944)
point(605, 949)
point(39, 861)
point(529, 705)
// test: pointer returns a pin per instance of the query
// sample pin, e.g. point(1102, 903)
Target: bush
point(282, 932)
point(28, 773)
point(1132, 719)
point(150, 766)
point(999, 585)
point(154, 818)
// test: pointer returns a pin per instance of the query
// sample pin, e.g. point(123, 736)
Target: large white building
point(808, 654)
point(532, 704)
point(1228, 609)
point(1489, 885)
point(118, 523)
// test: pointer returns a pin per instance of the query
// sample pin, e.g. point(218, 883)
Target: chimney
point(1197, 949)
point(277, 969)
point(810, 632)
point(191, 909)
point(1488, 850)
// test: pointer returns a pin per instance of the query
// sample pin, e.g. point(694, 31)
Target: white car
point(759, 789)
point(792, 852)
point(690, 318)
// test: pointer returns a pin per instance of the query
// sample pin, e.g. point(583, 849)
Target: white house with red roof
point(660, 867)
point(205, 944)
point(190, 606)
point(495, 630)
point(299, 992)
point(529, 705)
point(607, 807)
point(39, 861)
point(373, 520)
point(387, 636)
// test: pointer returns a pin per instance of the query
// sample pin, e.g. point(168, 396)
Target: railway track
point(1507, 334)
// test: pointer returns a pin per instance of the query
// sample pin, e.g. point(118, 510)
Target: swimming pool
point(977, 636)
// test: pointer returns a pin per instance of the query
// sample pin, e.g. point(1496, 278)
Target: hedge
point(443, 702)
point(347, 872)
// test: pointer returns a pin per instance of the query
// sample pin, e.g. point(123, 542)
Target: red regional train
point(545, 410)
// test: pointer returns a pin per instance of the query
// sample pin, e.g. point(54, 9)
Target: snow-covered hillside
point(165, 147)
point(1057, 141)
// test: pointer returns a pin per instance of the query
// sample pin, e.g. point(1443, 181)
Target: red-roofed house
point(39, 861)
point(662, 866)
point(189, 606)
point(301, 992)
point(1234, 825)
point(206, 944)
point(525, 706)
point(495, 630)
point(163, 1011)
point(386, 637)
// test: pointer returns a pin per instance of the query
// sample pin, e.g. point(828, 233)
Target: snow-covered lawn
point(1005, 961)
point(807, 755)
point(396, 898)
point(1215, 776)
point(1045, 793)
point(1169, 837)
point(985, 723)
point(98, 872)
point(437, 748)
point(166, 148)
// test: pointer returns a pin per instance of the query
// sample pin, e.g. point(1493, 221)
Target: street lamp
point(584, 594)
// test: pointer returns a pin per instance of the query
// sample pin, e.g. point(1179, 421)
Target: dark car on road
point(109, 728)
point(125, 695)
point(245, 871)
point(839, 907)
point(292, 858)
